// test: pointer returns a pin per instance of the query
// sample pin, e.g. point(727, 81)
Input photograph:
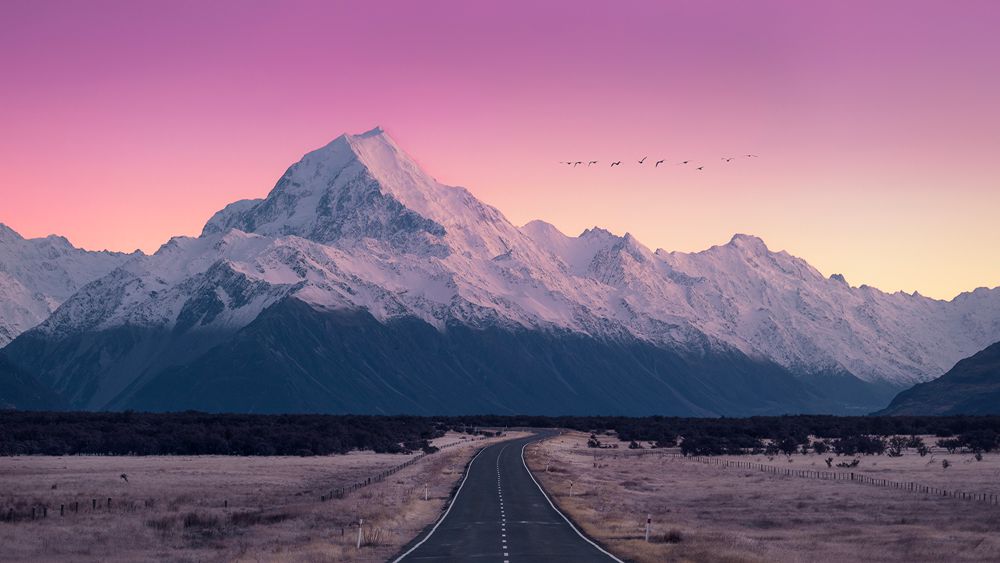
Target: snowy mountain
point(776, 306)
point(37, 275)
point(362, 284)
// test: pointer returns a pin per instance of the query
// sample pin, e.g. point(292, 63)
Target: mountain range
point(361, 284)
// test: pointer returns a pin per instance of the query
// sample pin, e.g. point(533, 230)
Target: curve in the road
point(514, 523)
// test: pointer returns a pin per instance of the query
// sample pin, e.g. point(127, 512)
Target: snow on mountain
point(357, 225)
point(779, 306)
point(37, 275)
point(774, 305)
point(431, 250)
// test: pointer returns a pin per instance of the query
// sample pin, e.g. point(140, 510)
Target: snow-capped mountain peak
point(363, 187)
point(749, 243)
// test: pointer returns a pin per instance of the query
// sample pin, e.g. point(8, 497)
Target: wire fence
point(852, 476)
point(38, 511)
point(847, 476)
point(382, 475)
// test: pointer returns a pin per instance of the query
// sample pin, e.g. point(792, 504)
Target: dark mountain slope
point(294, 358)
point(971, 387)
point(19, 390)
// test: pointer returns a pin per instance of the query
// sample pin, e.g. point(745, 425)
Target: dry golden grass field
point(218, 508)
point(704, 512)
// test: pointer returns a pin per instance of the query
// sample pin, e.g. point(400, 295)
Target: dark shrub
point(673, 536)
point(865, 445)
point(979, 440)
point(951, 444)
point(198, 520)
point(244, 519)
point(161, 524)
point(788, 445)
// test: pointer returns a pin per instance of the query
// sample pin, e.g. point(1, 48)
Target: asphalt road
point(500, 514)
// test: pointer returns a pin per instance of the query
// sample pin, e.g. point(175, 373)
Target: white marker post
point(425, 491)
point(649, 524)
point(360, 522)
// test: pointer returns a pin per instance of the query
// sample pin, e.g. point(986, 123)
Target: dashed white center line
point(503, 515)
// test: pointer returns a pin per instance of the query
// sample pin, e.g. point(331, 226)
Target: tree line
point(194, 433)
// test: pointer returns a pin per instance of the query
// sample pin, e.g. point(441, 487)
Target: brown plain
point(709, 513)
point(175, 508)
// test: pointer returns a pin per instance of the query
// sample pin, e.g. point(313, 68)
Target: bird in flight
point(750, 155)
point(728, 158)
point(643, 159)
point(577, 162)
point(658, 162)
point(566, 162)
point(684, 162)
point(616, 163)
point(591, 162)
point(701, 168)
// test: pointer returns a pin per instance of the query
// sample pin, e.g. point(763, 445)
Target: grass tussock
point(246, 519)
point(672, 536)
point(200, 521)
point(373, 536)
point(163, 524)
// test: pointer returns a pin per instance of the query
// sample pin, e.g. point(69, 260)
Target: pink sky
point(878, 125)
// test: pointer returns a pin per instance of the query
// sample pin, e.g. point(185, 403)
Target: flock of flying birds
point(725, 159)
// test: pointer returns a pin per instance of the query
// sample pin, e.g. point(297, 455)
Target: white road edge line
point(451, 504)
point(585, 538)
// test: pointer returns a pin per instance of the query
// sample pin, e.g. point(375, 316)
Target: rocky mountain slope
point(971, 387)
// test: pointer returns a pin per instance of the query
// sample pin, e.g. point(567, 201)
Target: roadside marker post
point(361, 521)
point(649, 524)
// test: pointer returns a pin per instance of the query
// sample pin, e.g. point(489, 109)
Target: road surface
point(500, 514)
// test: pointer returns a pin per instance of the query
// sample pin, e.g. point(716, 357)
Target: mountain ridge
point(971, 387)
point(38, 274)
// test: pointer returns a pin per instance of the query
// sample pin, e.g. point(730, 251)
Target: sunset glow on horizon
point(877, 124)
